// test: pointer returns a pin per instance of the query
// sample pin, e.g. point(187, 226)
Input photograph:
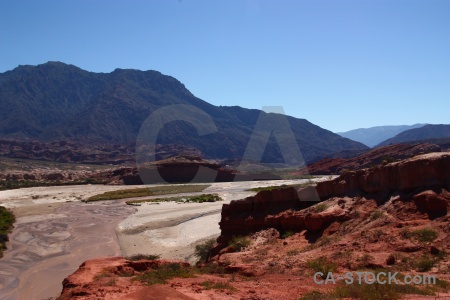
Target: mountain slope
point(375, 135)
point(55, 101)
point(419, 134)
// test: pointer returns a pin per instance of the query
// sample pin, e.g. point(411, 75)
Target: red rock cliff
point(284, 208)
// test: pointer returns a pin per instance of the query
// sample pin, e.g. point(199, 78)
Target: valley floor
point(55, 231)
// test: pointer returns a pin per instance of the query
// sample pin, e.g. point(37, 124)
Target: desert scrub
point(319, 207)
point(147, 191)
point(376, 215)
point(365, 260)
point(203, 250)
point(376, 291)
point(425, 235)
point(184, 199)
point(422, 235)
point(239, 242)
point(165, 272)
point(293, 252)
point(143, 256)
point(208, 285)
point(425, 263)
point(6, 224)
point(317, 295)
point(321, 264)
point(287, 234)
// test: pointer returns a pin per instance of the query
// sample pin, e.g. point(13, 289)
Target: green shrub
point(6, 223)
point(375, 291)
point(239, 242)
point(287, 234)
point(366, 259)
point(202, 251)
point(321, 264)
point(425, 235)
point(376, 214)
point(147, 191)
point(143, 256)
point(320, 207)
point(422, 235)
point(208, 285)
point(424, 264)
point(165, 272)
point(182, 199)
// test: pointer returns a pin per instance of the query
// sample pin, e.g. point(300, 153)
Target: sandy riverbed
point(55, 232)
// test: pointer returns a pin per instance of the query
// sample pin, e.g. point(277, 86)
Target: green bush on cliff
point(239, 242)
point(202, 250)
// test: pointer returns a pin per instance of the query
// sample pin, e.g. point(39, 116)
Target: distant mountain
point(375, 135)
point(55, 101)
point(425, 133)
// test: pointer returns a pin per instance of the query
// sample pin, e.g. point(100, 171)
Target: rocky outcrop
point(110, 278)
point(284, 208)
point(427, 170)
point(375, 157)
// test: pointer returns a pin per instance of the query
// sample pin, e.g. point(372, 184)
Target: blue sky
point(340, 64)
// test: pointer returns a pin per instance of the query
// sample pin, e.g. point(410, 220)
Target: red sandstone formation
point(284, 208)
point(375, 157)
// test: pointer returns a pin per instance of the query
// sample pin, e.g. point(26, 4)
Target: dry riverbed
point(55, 232)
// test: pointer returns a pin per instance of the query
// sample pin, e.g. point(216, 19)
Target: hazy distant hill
point(55, 101)
point(424, 133)
point(375, 135)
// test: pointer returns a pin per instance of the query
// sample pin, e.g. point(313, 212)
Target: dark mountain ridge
point(425, 133)
point(55, 101)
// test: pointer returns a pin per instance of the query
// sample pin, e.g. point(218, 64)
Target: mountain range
point(56, 101)
point(430, 133)
point(374, 135)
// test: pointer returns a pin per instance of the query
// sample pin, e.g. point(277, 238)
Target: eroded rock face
point(284, 208)
point(375, 157)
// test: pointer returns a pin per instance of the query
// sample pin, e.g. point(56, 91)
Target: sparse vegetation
point(143, 256)
point(6, 222)
point(422, 235)
point(239, 242)
point(321, 264)
point(319, 207)
point(425, 264)
point(376, 291)
point(208, 285)
point(165, 272)
point(202, 250)
point(365, 260)
point(425, 235)
point(287, 234)
point(147, 191)
point(376, 215)
point(184, 199)
point(293, 252)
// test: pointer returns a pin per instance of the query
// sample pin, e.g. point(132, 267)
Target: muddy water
point(47, 248)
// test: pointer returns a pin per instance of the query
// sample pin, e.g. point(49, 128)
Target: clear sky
point(341, 64)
